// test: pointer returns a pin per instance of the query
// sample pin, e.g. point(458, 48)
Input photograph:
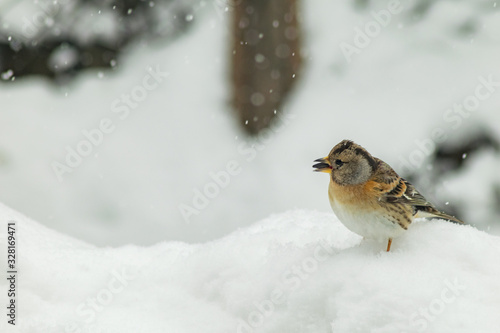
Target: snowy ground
point(150, 157)
point(300, 271)
point(160, 148)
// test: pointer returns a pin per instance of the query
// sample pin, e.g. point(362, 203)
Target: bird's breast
point(357, 197)
point(359, 209)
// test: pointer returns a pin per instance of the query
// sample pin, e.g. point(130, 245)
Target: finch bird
point(369, 197)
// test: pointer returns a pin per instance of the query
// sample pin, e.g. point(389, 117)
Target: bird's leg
point(389, 244)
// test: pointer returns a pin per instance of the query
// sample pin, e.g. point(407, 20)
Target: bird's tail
point(429, 211)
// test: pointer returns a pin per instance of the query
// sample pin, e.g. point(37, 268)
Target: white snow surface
point(299, 271)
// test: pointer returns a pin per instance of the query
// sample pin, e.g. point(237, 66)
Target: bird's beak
point(323, 165)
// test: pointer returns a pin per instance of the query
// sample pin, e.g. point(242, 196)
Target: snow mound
point(300, 271)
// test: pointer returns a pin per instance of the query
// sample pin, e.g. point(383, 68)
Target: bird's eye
point(339, 163)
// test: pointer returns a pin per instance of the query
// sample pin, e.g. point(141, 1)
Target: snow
point(153, 228)
point(390, 98)
point(299, 271)
point(63, 58)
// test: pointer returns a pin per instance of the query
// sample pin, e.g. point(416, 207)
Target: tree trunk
point(265, 59)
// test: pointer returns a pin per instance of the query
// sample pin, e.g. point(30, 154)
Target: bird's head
point(348, 164)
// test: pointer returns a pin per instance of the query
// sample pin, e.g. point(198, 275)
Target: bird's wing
point(394, 189)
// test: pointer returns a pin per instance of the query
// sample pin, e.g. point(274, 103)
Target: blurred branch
point(62, 38)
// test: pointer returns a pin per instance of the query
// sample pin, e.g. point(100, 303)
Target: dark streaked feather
point(398, 190)
point(430, 211)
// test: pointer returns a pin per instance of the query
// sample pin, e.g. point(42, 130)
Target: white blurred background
point(393, 96)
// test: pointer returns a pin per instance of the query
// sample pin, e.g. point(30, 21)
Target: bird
point(369, 197)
